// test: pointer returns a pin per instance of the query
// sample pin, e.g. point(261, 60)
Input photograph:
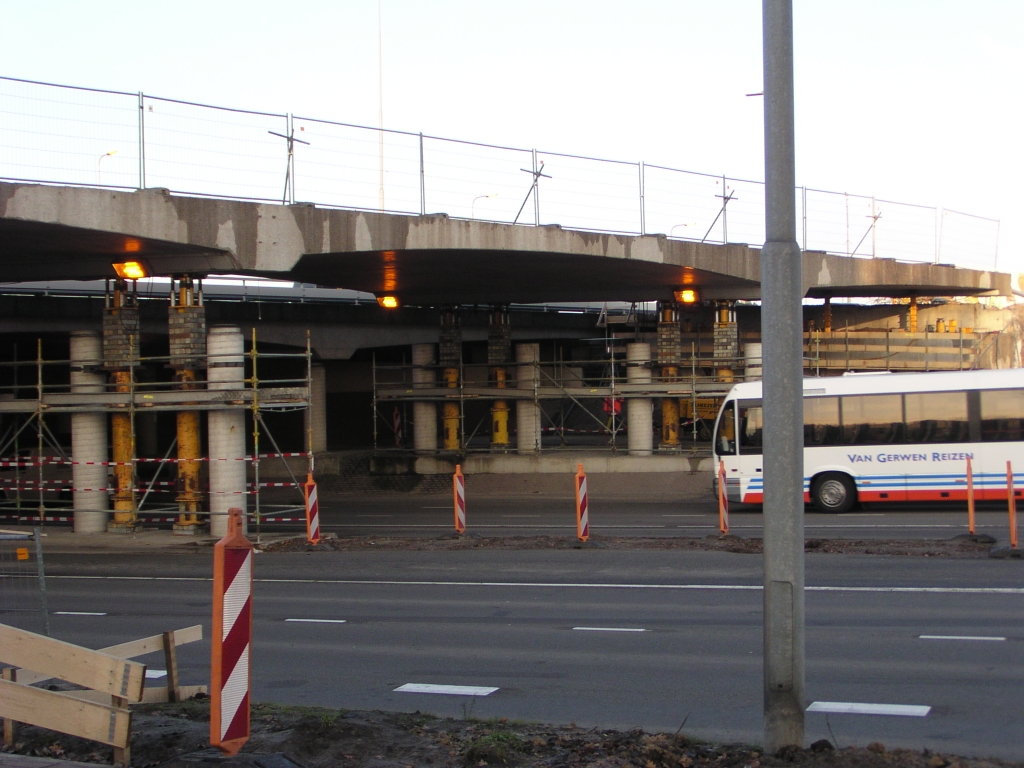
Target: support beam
point(316, 414)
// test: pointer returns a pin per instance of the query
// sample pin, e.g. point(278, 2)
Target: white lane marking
point(960, 637)
point(449, 690)
point(860, 514)
point(153, 674)
point(520, 515)
point(318, 621)
point(686, 515)
point(855, 708)
point(374, 515)
point(608, 629)
point(574, 585)
point(78, 613)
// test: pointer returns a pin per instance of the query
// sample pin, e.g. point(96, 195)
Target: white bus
point(886, 437)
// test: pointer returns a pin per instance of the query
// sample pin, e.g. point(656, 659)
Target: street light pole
point(100, 160)
point(782, 336)
point(472, 205)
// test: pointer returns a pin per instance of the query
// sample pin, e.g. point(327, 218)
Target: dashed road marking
point(153, 674)
point(856, 708)
point(449, 690)
point(78, 613)
point(608, 629)
point(961, 637)
point(318, 621)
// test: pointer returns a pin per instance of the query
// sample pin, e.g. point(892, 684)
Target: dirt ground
point(958, 547)
point(325, 738)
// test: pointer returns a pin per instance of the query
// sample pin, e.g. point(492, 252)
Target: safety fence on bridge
point(59, 134)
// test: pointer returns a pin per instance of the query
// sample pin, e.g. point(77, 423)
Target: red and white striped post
point(230, 672)
point(970, 497)
point(723, 501)
point(1012, 505)
point(459, 499)
point(582, 505)
point(312, 511)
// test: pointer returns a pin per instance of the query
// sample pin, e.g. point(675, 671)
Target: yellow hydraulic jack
point(120, 356)
point(499, 413)
point(499, 352)
point(668, 355)
point(451, 359)
point(187, 331)
point(451, 412)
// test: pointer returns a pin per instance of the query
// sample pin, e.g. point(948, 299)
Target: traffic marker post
point(970, 497)
point(230, 671)
point(723, 501)
point(582, 505)
point(1012, 505)
point(459, 494)
point(312, 511)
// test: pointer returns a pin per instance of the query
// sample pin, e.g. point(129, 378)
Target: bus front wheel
point(833, 492)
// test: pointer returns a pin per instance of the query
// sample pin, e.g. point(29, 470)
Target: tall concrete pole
point(781, 313)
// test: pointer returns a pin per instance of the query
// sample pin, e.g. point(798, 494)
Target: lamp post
point(100, 160)
point(671, 232)
point(472, 206)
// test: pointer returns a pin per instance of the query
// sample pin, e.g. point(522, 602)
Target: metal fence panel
point(341, 166)
point(198, 149)
point(56, 134)
point(23, 582)
point(66, 135)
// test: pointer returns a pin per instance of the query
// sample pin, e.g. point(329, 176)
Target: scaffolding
point(35, 466)
point(580, 401)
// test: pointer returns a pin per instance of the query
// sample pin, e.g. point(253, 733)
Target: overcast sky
point(910, 100)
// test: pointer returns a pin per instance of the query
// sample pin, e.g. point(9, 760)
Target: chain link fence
point(58, 134)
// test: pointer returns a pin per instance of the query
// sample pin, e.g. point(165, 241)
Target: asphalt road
point(509, 619)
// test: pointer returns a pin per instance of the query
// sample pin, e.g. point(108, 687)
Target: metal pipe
point(781, 296)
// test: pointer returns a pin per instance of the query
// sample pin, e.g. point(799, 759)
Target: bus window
point(751, 427)
point(725, 440)
point(821, 421)
point(1002, 415)
point(936, 417)
point(872, 419)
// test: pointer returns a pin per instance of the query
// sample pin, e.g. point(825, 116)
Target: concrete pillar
point(226, 370)
point(424, 415)
point(527, 411)
point(752, 361)
point(88, 435)
point(639, 413)
point(316, 415)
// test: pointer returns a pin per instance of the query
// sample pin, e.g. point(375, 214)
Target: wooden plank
point(171, 662)
point(52, 710)
point(127, 650)
point(8, 674)
point(153, 644)
point(81, 666)
point(155, 695)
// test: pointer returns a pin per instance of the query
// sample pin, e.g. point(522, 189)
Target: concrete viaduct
point(52, 232)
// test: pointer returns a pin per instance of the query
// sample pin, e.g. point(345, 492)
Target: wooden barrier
point(100, 713)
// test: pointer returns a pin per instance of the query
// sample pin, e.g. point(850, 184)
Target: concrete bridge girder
point(50, 232)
